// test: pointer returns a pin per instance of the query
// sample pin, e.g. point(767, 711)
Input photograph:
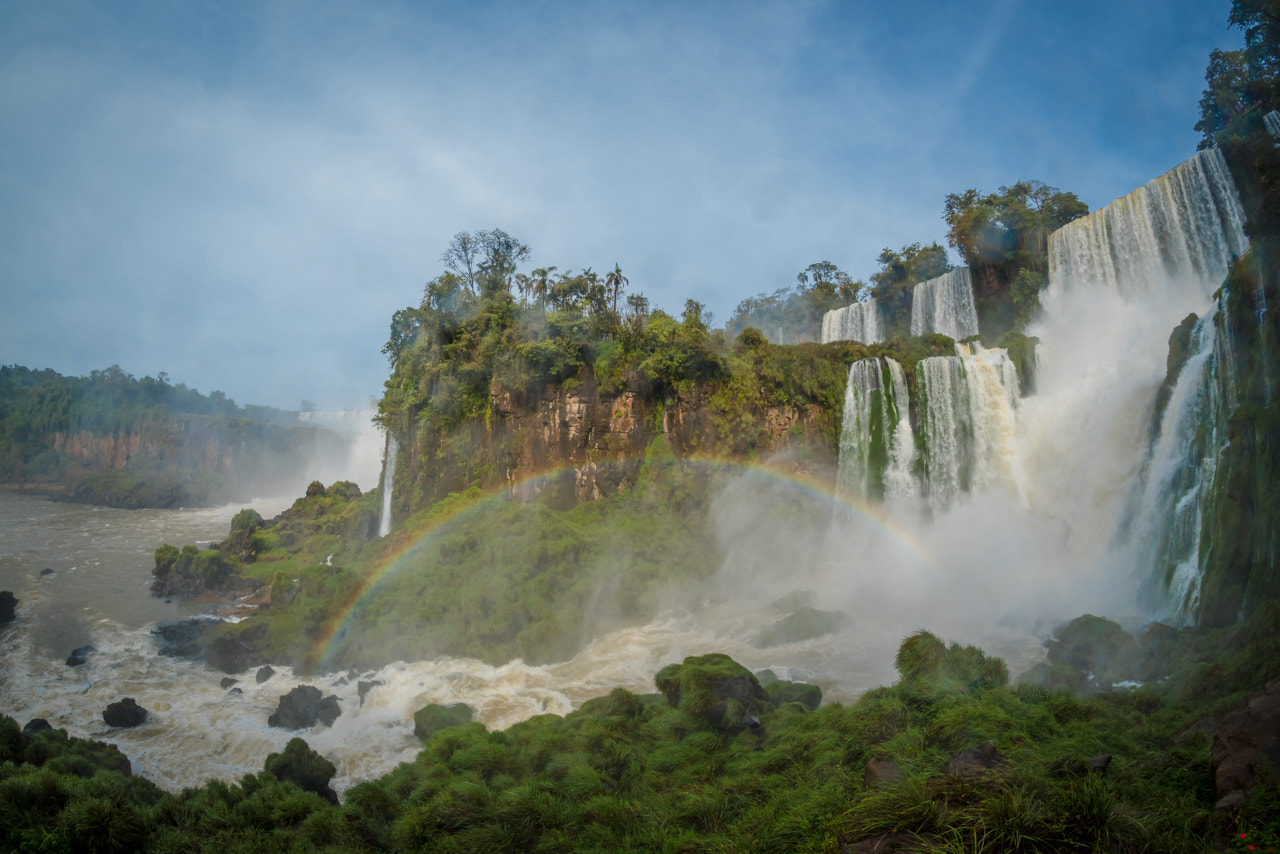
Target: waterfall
point(967, 405)
point(388, 478)
point(1184, 226)
point(945, 305)
point(877, 446)
point(862, 321)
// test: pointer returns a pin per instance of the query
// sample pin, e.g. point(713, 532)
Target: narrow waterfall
point(1184, 226)
point(862, 321)
point(388, 478)
point(945, 305)
point(967, 405)
point(877, 446)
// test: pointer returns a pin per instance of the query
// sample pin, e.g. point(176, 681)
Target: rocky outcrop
point(1246, 747)
point(8, 602)
point(79, 655)
point(715, 691)
point(124, 713)
point(432, 718)
point(304, 707)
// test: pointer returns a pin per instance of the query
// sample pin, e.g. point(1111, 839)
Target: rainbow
point(401, 544)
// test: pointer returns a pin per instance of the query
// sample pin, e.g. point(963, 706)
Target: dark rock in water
point(974, 761)
point(124, 713)
point(363, 688)
point(804, 624)
point(303, 707)
point(764, 677)
point(716, 690)
point(229, 654)
point(781, 692)
point(47, 572)
point(1095, 645)
point(227, 682)
point(1246, 747)
point(881, 772)
point(432, 718)
point(182, 639)
point(8, 604)
point(342, 680)
point(235, 691)
point(264, 673)
point(79, 655)
point(36, 725)
point(795, 600)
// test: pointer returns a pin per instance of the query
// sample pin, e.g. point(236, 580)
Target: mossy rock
point(1095, 645)
point(782, 692)
point(804, 624)
point(432, 718)
point(715, 691)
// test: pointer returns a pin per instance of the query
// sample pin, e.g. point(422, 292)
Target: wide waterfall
point(862, 321)
point(388, 477)
point(945, 305)
point(877, 446)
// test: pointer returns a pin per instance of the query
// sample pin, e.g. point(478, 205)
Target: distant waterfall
point(967, 405)
point(945, 305)
point(862, 321)
point(877, 445)
point(388, 478)
point(1185, 225)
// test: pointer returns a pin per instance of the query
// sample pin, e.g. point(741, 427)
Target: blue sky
point(241, 194)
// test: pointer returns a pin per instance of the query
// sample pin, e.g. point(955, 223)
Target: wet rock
point(182, 639)
point(881, 772)
point(234, 691)
point(363, 688)
point(304, 707)
point(124, 713)
point(36, 725)
point(1095, 645)
point(764, 677)
point(227, 682)
point(229, 654)
point(8, 602)
point(264, 673)
point(79, 655)
point(804, 624)
point(432, 718)
point(47, 573)
point(974, 761)
point(1246, 747)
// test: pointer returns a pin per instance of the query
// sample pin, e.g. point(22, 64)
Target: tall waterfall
point(877, 446)
point(862, 321)
point(388, 478)
point(967, 406)
point(945, 305)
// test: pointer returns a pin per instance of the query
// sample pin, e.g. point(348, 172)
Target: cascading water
point(877, 446)
point(945, 305)
point(862, 321)
point(388, 478)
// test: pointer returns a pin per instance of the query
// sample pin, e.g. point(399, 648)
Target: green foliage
point(244, 520)
point(1004, 237)
point(927, 665)
point(433, 717)
point(803, 624)
point(794, 315)
point(901, 271)
point(302, 766)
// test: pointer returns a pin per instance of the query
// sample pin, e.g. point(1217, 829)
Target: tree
point(1241, 80)
point(900, 272)
point(615, 281)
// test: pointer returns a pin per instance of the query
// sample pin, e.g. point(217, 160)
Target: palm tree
point(614, 282)
point(540, 283)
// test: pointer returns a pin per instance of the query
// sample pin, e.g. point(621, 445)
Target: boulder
point(1095, 645)
point(1246, 747)
point(36, 725)
point(304, 707)
point(79, 655)
point(227, 682)
point(47, 573)
point(432, 718)
point(716, 691)
point(124, 713)
point(8, 602)
point(229, 654)
point(781, 692)
point(974, 761)
point(264, 673)
point(303, 767)
point(881, 772)
point(804, 624)
point(363, 688)
point(182, 639)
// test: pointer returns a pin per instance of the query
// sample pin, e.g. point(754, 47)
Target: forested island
point(557, 452)
point(118, 441)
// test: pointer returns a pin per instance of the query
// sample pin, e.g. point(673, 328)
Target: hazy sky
point(241, 194)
